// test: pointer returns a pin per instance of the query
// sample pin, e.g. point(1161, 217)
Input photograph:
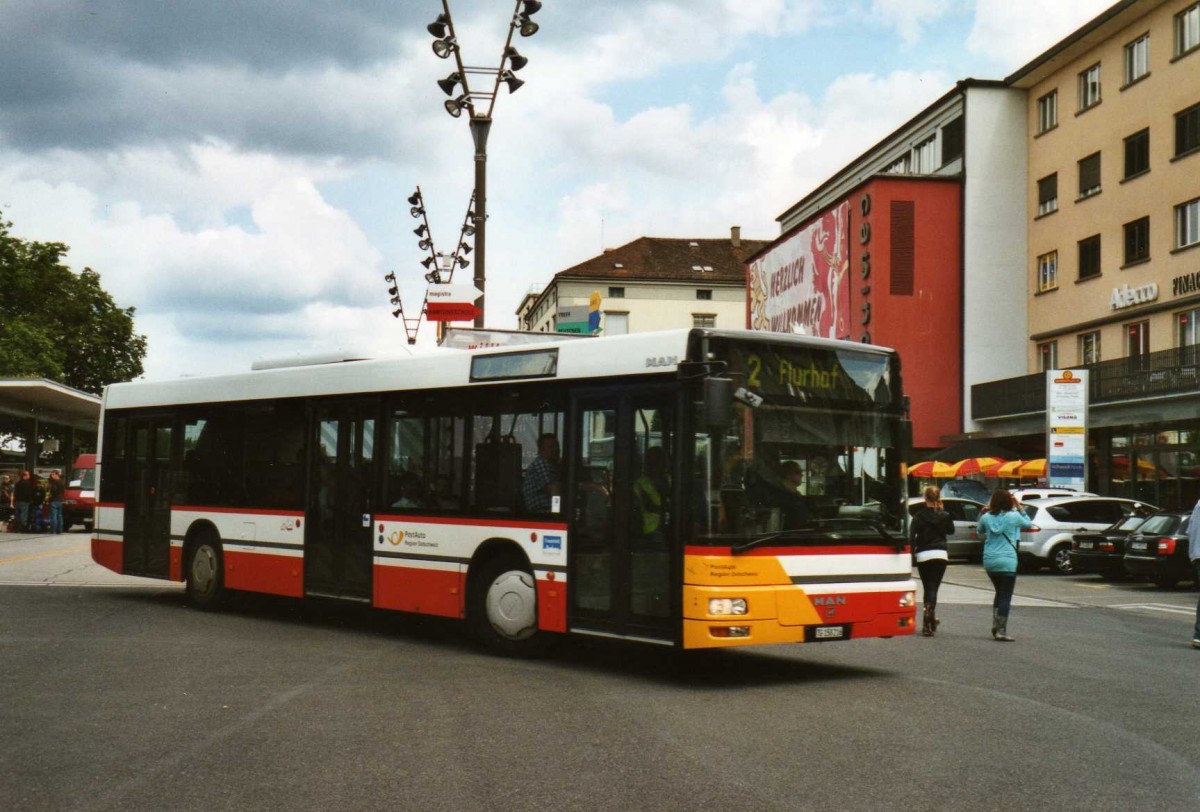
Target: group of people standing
point(30, 504)
point(1000, 528)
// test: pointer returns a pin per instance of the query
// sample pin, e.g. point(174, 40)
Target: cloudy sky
point(238, 171)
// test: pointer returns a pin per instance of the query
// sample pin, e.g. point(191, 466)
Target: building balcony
point(1154, 375)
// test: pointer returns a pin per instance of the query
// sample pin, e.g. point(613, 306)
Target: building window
point(1137, 241)
point(1187, 30)
point(1047, 265)
point(1048, 355)
point(899, 167)
point(1089, 175)
point(616, 293)
point(1137, 153)
point(705, 295)
point(1048, 112)
point(925, 156)
point(704, 319)
point(1187, 131)
point(1187, 223)
point(1138, 339)
point(952, 141)
point(616, 324)
point(1137, 59)
point(1189, 328)
point(1089, 87)
point(1048, 194)
point(1089, 348)
point(1089, 257)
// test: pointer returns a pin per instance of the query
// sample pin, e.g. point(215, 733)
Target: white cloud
point(910, 17)
point(1012, 32)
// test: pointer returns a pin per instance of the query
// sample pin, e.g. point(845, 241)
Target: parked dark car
point(1159, 549)
point(1103, 552)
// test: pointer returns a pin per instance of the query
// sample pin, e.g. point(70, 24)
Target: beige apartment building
point(652, 283)
point(1113, 251)
point(1114, 187)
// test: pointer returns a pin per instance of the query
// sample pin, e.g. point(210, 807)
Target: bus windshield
point(815, 443)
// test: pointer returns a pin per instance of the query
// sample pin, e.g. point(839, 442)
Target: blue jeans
point(56, 526)
point(1005, 583)
point(23, 515)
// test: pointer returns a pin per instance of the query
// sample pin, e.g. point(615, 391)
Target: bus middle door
point(147, 547)
point(621, 519)
point(337, 536)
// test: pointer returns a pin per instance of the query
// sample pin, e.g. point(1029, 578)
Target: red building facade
point(881, 266)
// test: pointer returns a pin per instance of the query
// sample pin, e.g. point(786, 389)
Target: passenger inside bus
point(650, 494)
point(540, 483)
point(410, 492)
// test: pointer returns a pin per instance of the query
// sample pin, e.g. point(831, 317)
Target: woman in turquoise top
point(1001, 530)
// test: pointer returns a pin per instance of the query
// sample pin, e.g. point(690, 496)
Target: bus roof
point(635, 354)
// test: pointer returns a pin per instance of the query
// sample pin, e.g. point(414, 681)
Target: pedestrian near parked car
point(930, 526)
point(22, 497)
point(6, 502)
point(1194, 554)
point(1001, 527)
point(54, 493)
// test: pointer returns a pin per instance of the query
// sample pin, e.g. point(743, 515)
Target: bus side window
point(497, 475)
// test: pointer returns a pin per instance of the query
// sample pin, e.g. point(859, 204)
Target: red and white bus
point(715, 488)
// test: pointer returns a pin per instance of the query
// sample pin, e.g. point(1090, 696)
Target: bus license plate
point(829, 632)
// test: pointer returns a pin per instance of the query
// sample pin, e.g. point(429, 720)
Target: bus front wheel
point(504, 609)
point(205, 573)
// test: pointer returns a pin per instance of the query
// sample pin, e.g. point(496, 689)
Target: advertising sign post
point(1066, 427)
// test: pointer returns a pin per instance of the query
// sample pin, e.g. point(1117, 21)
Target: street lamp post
point(446, 44)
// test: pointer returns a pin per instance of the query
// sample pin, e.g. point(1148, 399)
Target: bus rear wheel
point(503, 611)
point(205, 573)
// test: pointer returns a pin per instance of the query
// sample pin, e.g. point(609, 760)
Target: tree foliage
point(60, 325)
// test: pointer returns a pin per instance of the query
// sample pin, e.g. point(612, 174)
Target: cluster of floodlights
point(445, 45)
point(436, 264)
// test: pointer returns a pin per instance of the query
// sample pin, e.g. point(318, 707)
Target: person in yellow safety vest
point(650, 492)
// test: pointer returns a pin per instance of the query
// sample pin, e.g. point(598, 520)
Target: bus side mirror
point(718, 403)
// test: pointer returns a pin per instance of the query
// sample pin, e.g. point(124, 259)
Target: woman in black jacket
point(929, 528)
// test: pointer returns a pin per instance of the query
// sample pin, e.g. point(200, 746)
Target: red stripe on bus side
point(242, 511)
point(427, 592)
point(109, 554)
point(257, 572)
point(520, 523)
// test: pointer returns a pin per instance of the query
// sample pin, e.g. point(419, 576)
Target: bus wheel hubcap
point(203, 569)
point(512, 605)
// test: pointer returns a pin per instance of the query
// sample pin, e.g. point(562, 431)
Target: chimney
point(735, 236)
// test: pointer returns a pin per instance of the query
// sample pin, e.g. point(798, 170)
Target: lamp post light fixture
point(439, 267)
point(480, 116)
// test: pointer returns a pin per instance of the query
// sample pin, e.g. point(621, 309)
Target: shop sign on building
point(802, 285)
point(1066, 427)
point(1126, 296)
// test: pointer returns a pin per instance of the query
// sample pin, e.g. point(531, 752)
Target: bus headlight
point(727, 606)
point(908, 599)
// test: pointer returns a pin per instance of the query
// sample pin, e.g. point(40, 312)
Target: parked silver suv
point(1057, 519)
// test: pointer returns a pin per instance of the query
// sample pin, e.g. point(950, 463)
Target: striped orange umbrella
point(930, 470)
point(1005, 470)
point(973, 465)
point(1034, 468)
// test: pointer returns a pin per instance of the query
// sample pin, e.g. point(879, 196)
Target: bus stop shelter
point(36, 406)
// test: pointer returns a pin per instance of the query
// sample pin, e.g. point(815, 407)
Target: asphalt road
point(114, 694)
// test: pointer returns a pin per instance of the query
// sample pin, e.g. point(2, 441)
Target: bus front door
point(337, 536)
point(621, 519)
point(147, 547)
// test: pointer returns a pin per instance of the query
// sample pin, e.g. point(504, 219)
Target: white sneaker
point(1196, 643)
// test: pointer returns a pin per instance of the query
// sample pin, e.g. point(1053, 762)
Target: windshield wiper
point(823, 527)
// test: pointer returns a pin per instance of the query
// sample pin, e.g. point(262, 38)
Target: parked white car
point(1058, 518)
point(1047, 493)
